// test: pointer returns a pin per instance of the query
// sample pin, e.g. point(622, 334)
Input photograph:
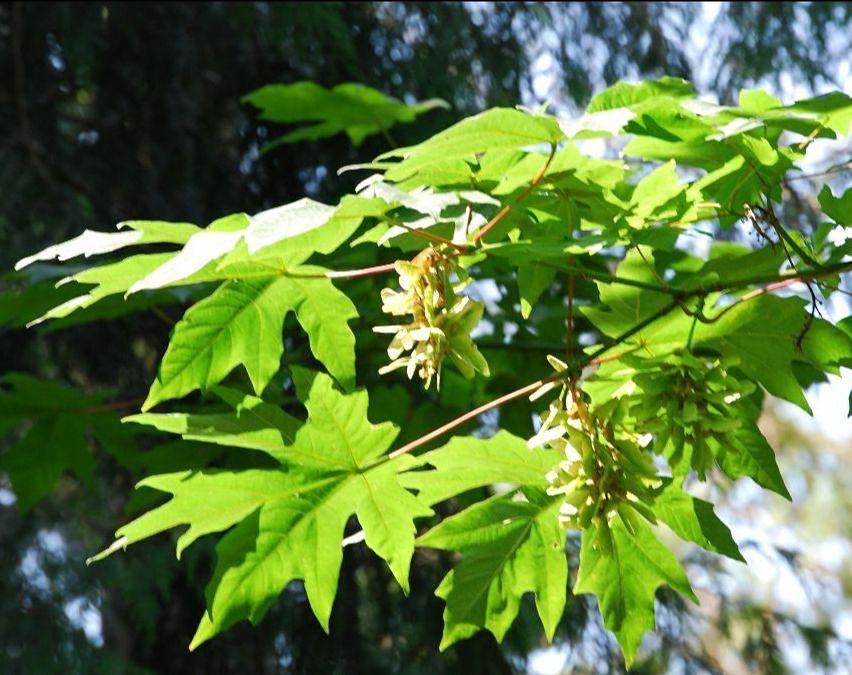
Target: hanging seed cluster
point(442, 319)
point(602, 477)
point(685, 402)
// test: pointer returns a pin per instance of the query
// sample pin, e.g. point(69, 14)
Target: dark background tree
point(111, 111)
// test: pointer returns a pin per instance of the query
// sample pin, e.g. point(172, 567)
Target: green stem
point(803, 275)
point(691, 333)
point(502, 213)
point(798, 250)
point(797, 275)
point(606, 276)
point(626, 335)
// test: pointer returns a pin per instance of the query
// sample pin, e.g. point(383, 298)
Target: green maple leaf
point(91, 243)
point(466, 462)
point(621, 94)
point(509, 548)
point(289, 521)
point(626, 580)
point(106, 280)
point(61, 420)
point(354, 109)
point(495, 129)
point(655, 190)
point(838, 209)
point(242, 323)
point(253, 424)
point(760, 334)
point(227, 249)
point(622, 306)
point(751, 455)
point(208, 501)
point(59, 443)
point(532, 282)
point(695, 520)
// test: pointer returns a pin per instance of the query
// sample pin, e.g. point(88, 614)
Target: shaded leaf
point(354, 109)
point(57, 441)
point(751, 456)
point(693, 519)
point(253, 424)
point(626, 581)
point(509, 548)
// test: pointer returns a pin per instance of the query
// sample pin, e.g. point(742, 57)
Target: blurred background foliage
point(111, 111)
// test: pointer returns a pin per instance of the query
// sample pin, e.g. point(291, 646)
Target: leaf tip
point(447, 641)
point(120, 543)
point(206, 630)
point(149, 402)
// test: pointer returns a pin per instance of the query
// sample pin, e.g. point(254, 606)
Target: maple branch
point(755, 293)
point(590, 359)
point(602, 276)
point(569, 319)
point(801, 275)
point(605, 276)
point(522, 346)
point(837, 168)
point(472, 414)
point(795, 275)
point(785, 237)
point(353, 274)
point(106, 407)
point(832, 287)
point(502, 213)
point(433, 237)
point(768, 212)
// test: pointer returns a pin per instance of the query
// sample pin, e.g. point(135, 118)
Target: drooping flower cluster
point(442, 320)
point(603, 475)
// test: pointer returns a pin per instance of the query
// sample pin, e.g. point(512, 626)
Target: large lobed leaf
point(241, 323)
point(510, 546)
point(289, 521)
point(354, 109)
point(465, 463)
point(626, 580)
point(58, 423)
point(495, 129)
